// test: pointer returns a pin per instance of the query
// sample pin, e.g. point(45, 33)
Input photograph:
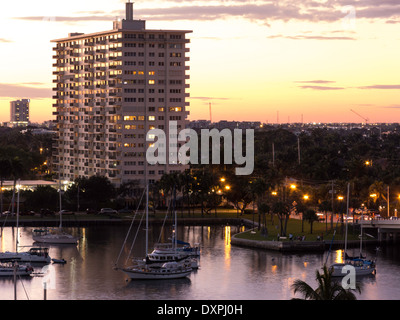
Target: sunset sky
point(266, 60)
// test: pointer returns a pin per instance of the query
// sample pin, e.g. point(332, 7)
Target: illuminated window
point(130, 127)
point(161, 109)
point(152, 81)
point(129, 118)
point(141, 118)
point(151, 73)
point(152, 118)
point(175, 109)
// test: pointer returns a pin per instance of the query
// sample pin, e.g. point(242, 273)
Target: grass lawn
point(294, 228)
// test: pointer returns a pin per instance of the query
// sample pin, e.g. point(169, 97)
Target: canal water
point(226, 272)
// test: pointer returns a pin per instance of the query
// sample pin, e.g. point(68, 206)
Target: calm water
point(226, 272)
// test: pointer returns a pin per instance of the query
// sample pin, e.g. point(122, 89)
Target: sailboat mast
point(60, 203)
point(175, 221)
point(362, 219)
point(16, 237)
point(347, 218)
point(147, 219)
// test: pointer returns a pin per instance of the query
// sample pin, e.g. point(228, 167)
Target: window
point(152, 81)
point(129, 118)
point(152, 118)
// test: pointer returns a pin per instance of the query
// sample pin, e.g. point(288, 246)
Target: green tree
point(45, 197)
point(95, 192)
point(311, 216)
point(282, 209)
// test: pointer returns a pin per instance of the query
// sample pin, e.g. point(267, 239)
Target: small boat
point(165, 252)
point(361, 265)
point(60, 261)
point(51, 236)
point(40, 255)
point(146, 269)
point(169, 270)
point(185, 247)
point(56, 235)
point(36, 254)
point(8, 269)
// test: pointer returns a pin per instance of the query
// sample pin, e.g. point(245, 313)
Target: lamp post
point(373, 196)
point(305, 197)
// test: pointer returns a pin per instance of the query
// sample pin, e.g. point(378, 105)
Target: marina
point(226, 271)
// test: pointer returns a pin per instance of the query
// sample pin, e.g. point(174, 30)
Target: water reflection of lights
point(228, 236)
point(339, 256)
point(83, 243)
point(274, 268)
point(227, 245)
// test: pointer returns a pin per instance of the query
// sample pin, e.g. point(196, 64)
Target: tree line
point(319, 162)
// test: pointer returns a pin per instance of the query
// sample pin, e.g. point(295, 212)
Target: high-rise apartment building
point(19, 112)
point(112, 87)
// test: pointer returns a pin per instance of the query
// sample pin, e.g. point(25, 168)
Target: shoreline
point(281, 246)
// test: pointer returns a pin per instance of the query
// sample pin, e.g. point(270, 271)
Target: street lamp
point(305, 197)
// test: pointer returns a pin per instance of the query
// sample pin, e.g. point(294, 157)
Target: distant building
point(19, 113)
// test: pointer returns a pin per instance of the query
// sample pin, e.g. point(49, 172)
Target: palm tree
point(327, 289)
point(379, 189)
point(311, 216)
point(17, 171)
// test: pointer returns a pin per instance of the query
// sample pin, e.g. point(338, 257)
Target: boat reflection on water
point(173, 287)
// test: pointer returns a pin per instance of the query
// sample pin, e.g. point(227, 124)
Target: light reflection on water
point(226, 271)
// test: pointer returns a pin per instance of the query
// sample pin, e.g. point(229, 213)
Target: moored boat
point(169, 270)
point(8, 269)
point(36, 254)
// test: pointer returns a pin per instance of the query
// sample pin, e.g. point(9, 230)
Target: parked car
point(66, 212)
point(125, 210)
point(6, 213)
point(27, 213)
point(108, 211)
point(91, 211)
point(46, 212)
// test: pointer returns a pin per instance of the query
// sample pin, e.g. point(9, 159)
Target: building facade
point(112, 87)
point(19, 113)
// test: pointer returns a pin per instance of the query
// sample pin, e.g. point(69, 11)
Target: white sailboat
point(361, 265)
point(54, 235)
point(154, 271)
point(36, 254)
point(171, 252)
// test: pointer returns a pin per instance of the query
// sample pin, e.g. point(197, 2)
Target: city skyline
point(286, 61)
